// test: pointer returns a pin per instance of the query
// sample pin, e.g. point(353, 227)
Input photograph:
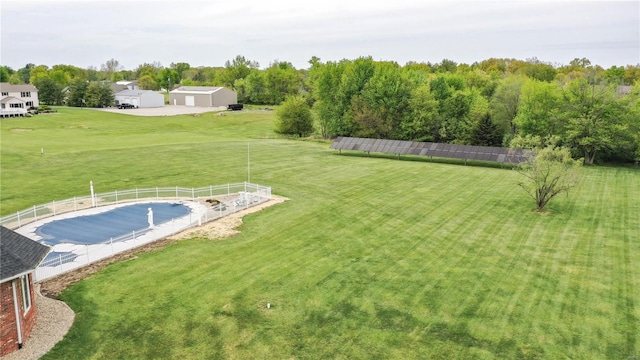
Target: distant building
point(140, 98)
point(129, 84)
point(15, 100)
point(203, 96)
point(19, 257)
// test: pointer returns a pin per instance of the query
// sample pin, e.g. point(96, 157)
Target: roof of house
point(19, 255)
point(135, 92)
point(117, 88)
point(197, 89)
point(6, 87)
point(127, 82)
point(9, 99)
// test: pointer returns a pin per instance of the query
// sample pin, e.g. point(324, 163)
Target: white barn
point(140, 98)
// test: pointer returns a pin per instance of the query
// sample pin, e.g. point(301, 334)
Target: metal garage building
point(140, 98)
point(204, 96)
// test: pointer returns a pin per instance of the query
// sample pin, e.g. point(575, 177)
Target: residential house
point(19, 258)
point(15, 100)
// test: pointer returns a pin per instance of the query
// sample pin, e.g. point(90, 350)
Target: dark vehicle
point(126, 106)
point(235, 107)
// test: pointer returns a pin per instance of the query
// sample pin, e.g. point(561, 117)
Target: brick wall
point(8, 328)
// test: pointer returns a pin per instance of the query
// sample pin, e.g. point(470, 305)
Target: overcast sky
point(207, 33)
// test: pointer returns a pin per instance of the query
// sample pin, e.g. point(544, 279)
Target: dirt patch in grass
point(214, 230)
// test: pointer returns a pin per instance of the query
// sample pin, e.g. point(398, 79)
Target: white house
point(205, 96)
point(15, 100)
point(129, 84)
point(140, 98)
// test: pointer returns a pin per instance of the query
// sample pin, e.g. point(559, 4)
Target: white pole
point(93, 195)
point(248, 164)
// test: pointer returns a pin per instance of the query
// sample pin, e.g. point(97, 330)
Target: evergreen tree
point(486, 133)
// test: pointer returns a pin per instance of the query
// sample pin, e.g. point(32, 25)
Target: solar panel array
point(452, 151)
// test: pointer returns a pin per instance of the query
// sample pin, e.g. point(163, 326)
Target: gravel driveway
point(169, 110)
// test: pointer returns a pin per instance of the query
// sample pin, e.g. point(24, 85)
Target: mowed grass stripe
point(370, 257)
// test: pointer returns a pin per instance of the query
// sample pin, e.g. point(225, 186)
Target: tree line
point(497, 102)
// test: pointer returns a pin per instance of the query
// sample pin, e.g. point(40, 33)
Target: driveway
point(169, 110)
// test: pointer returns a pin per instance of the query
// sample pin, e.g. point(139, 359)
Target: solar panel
point(453, 151)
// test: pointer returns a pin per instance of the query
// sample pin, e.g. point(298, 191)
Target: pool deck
point(93, 252)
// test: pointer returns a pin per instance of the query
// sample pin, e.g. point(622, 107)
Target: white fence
point(235, 197)
point(39, 212)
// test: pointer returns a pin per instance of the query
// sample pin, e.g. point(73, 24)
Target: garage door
point(134, 101)
point(190, 100)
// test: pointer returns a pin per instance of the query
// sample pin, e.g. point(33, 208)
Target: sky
point(87, 33)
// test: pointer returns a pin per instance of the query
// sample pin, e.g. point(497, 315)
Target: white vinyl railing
point(238, 197)
point(39, 212)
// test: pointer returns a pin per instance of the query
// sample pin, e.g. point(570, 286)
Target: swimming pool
point(101, 227)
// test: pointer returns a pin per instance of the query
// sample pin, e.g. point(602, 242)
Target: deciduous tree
point(547, 173)
point(504, 103)
point(49, 91)
point(421, 121)
point(168, 79)
point(5, 73)
point(379, 109)
point(148, 82)
point(77, 93)
point(595, 116)
point(99, 95)
point(539, 110)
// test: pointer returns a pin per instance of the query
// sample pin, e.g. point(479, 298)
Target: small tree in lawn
point(547, 173)
point(294, 117)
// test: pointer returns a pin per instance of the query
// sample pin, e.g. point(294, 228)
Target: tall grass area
point(370, 257)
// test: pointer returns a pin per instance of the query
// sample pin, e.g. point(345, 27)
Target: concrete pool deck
point(76, 255)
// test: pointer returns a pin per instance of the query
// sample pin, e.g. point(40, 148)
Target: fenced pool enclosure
point(72, 250)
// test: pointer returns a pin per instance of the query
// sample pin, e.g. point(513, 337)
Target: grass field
point(371, 257)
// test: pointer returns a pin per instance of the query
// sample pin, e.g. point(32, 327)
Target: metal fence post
point(35, 215)
point(19, 224)
point(157, 195)
point(54, 207)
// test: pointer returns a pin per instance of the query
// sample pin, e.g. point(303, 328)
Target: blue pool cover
point(98, 228)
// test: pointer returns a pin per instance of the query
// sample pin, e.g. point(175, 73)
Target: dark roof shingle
point(18, 254)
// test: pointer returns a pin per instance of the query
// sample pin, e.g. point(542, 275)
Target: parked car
point(126, 106)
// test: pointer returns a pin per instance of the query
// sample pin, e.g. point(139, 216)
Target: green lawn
point(371, 257)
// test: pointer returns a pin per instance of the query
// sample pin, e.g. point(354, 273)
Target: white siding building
point(203, 96)
point(140, 98)
point(15, 100)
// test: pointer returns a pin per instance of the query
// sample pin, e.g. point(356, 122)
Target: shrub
point(294, 117)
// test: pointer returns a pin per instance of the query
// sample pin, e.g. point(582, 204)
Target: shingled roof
point(18, 254)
